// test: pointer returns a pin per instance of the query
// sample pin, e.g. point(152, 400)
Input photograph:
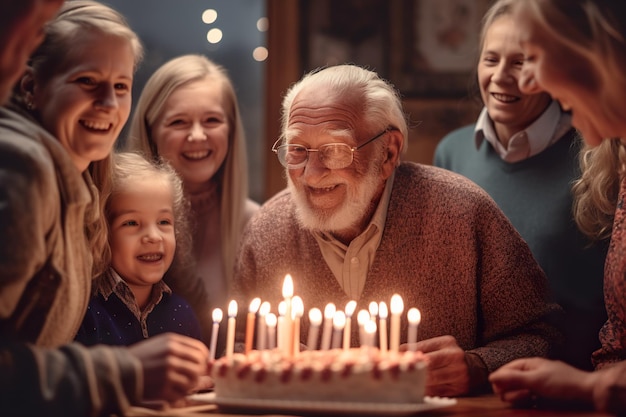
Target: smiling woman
point(523, 151)
point(188, 115)
point(55, 141)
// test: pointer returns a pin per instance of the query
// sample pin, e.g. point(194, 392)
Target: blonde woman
point(575, 50)
point(71, 105)
point(188, 114)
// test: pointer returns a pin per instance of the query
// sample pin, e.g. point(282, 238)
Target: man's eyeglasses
point(331, 155)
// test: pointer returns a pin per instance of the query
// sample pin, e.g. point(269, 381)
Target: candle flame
point(370, 327)
point(414, 316)
point(373, 308)
point(397, 305)
point(363, 317)
point(282, 308)
point(329, 311)
point(264, 309)
point(232, 308)
point(217, 315)
point(339, 320)
point(288, 286)
point(315, 316)
point(271, 320)
point(382, 310)
point(254, 305)
point(350, 307)
point(297, 307)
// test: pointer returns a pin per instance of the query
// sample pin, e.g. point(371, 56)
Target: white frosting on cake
point(361, 375)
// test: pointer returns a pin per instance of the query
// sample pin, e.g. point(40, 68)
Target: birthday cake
point(355, 375)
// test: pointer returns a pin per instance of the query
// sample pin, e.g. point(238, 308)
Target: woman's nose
point(527, 82)
point(197, 133)
point(107, 97)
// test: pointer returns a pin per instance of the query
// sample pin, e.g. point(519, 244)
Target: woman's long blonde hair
point(232, 177)
point(596, 191)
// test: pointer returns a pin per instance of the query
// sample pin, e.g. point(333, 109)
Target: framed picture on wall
point(345, 31)
point(435, 46)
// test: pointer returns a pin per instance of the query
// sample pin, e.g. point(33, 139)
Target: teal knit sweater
point(535, 194)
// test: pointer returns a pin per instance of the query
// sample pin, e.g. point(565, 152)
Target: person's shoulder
point(277, 212)
point(462, 133)
point(454, 144)
point(428, 178)
point(20, 144)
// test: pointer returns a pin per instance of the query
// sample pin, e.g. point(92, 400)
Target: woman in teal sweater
point(523, 151)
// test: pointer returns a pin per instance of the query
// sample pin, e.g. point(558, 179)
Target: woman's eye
point(86, 81)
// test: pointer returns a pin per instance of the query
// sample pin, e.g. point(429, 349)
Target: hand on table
point(173, 365)
point(448, 374)
point(523, 381)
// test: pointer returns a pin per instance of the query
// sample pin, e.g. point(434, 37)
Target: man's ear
point(27, 88)
point(392, 152)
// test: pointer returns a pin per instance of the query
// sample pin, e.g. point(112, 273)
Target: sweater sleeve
point(69, 381)
point(512, 278)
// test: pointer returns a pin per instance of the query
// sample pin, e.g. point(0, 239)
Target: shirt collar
point(549, 127)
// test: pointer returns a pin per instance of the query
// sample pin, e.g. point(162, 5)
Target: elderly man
point(357, 224)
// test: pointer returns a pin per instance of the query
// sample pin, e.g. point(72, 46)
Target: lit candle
point(373, 309)
point(382, 323)
point(315, 319)
point(288, 319)
point(217, 319)
point(262, 326)
point(270, 319)
point(280, 326)
point(297, 312)
point(329, 313)
point(339, 322)
point(350, 307)
point(230, 336)
point(362, 317)
point(414, 317)
point(370, 332)
point(252, 310)
point(397, 306)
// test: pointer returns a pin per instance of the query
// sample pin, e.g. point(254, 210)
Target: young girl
point(146, 216)
point(188, 115)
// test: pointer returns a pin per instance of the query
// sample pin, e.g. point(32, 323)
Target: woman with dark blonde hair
point(55, 141)
point(576, 51)
point(188, 114)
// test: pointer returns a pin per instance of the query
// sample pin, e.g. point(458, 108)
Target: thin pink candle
point(382, 324)
point(339, 322)
point(261, 340)
point(329, 313)
point(414, 316)
point(217, 319)
point(362, 317)
point(230, 336)
point(270, 319)
point(297, 312)
point(350, 307)
point(315, 320)
point(397, 306)
point(288, 319)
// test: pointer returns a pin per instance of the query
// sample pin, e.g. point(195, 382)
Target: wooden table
point(484, 406)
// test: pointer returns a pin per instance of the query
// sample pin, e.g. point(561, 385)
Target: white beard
point(348, 215)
